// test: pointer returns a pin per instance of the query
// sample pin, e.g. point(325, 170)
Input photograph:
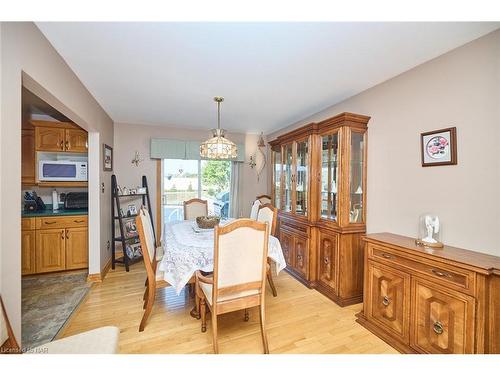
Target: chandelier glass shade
point(218, 147)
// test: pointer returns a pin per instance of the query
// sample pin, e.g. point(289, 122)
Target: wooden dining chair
point(269, 214)
point(8, 343)
point(195, 207)
point(264, 198)
point(239, 278)
point(152, 255)
point(255, 209)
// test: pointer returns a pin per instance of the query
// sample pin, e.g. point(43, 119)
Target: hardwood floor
point(299, 320)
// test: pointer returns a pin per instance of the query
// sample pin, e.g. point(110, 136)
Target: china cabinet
point(319, 185)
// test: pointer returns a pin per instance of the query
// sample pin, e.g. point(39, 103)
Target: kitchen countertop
point(49, 212)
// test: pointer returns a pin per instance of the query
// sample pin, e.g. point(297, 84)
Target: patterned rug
point(47, 303)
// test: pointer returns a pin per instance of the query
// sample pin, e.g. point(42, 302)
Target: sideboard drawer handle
point(440, 274)
point(386, 301)
point(386, 256)
point(438, 327)
point(50, 222)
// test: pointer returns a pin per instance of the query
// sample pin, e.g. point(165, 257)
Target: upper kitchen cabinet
point(59, 137)
point(319, 185)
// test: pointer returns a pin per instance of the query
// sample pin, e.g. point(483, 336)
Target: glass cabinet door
point(329, 176)
point(356, 178)
point(277, 178)
point(300, 178)
point(287, 170)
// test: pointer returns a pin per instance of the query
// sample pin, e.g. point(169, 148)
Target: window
point(186, 179)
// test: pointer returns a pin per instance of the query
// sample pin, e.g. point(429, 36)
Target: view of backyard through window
point(187, 179)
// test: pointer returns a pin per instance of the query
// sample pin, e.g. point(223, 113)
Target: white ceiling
point(270, 74)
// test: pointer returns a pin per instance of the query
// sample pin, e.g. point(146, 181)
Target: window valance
point(162, 148)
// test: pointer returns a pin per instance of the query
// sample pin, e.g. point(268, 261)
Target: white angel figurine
point(432, 225)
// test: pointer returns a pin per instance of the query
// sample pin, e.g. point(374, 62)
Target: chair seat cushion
point(102, 340)
point(207, 291)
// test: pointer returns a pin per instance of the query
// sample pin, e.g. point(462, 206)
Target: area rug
point(47, 303)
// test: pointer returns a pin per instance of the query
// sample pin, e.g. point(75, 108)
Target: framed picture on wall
point(439, 147)
point(107, 157)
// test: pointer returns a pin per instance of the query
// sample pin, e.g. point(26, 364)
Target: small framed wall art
point(107, 157)
point(439, 147)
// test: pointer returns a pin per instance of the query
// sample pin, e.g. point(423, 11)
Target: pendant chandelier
point(218, 147)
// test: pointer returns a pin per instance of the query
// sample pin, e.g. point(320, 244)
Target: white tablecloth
point(186, 251)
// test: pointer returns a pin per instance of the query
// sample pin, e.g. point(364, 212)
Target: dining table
point(188, 248)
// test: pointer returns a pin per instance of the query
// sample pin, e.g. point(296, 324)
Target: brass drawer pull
point(440, 274)
point(62, 234)
point(50, 222)
point(79, 221)
point(68, 146)
point(438, 327)
point(386, 256)
point(386, 301)
point(67, 234)
point(61, 144)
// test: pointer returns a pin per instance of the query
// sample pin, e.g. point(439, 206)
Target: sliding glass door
point(186, 179)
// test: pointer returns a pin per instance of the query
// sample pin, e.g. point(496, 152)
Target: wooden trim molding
point(99, 277)
point(159, 227)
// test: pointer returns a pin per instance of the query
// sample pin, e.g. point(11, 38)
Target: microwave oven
point(62, 170)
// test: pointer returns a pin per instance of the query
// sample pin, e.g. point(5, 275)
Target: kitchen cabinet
point(28, 157)
point(50, 251)
point(76, 248)
point(76, 140)
point(54, 243)
point(319, 184)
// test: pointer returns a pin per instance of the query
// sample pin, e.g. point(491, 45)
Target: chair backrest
point(255, 209)
point(8, 343)
point(146, 236)
point(195, 207)
point(240, 256)
point(268, 214)
point(265, 199)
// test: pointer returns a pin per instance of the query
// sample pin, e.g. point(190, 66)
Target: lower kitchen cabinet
point(77, 253)
point(27, 252)
point(54, 244)
point(50, 250)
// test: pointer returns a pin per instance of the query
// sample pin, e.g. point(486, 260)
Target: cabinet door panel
point(49, 139)
point(286, 240)
point(76, 140)
point(389, 299)
point(301, 248)
point(327, 262)
point(28, 156)
point(76, 248)
point(443, 320)
point(50, 250)
point(27, 252)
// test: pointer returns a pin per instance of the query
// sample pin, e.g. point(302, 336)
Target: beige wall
point(28, 59)
point(462, 89)
point(132, 137)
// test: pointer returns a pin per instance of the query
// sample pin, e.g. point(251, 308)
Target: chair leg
point(271, 282)
point(197, 304)
point(145, 297)
point(203, 313)
point(246, 318)
point(214, 333)
point(263, 329)
point(149, 306)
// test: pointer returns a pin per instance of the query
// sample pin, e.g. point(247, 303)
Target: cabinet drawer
point(388, 299)
point(49, 222)
point(27, 223)
point(442, 320)
point(445, 274)
point(295, 227)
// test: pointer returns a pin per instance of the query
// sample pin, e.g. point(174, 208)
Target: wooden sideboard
point(422, 300)
point(319, 185)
